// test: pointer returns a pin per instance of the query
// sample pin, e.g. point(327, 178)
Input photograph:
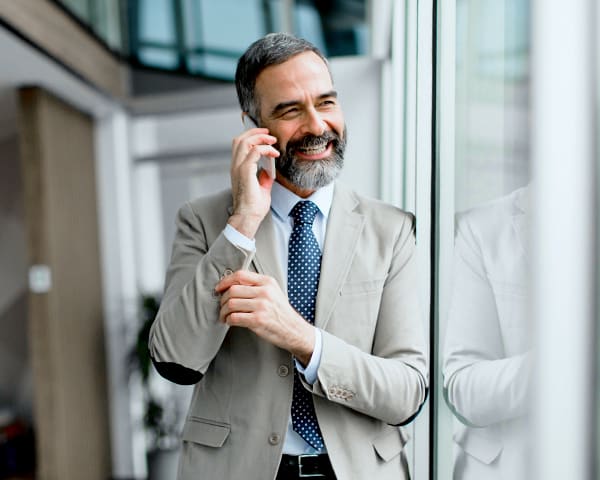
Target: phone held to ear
point(264, 163)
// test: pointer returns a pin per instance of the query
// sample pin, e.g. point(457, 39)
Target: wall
point(15, 378)
point(65, 318)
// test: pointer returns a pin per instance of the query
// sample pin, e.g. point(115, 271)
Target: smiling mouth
point(314, 150)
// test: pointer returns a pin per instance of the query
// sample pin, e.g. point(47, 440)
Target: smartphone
point(264, 163)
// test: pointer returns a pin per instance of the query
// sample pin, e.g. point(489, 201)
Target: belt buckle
point(307, 475)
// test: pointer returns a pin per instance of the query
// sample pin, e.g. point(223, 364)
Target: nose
point(314, 123)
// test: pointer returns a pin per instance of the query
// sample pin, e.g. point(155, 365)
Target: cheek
point(337, 124)
point(283, 137)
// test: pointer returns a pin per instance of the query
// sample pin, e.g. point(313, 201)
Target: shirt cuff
point(311, 370)
point(239, 239)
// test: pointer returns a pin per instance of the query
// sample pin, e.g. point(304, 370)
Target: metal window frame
point(443, 186)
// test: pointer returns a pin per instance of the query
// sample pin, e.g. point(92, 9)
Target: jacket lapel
point(343, 230)
point(521, 220)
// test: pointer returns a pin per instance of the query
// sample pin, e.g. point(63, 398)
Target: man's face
point(300, 108)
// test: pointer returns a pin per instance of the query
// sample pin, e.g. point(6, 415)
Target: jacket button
point(332, 390)
point(227, 272)
point(283, 371)
point(274, 438)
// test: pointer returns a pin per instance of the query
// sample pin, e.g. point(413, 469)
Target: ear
point(248, 121)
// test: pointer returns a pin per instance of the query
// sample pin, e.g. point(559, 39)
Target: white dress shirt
point(282, 203)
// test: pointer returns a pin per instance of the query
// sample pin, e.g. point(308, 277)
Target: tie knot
point(304, 213)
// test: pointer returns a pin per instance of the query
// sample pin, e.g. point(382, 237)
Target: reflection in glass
point(486, 357)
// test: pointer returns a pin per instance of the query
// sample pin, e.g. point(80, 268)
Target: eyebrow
point(283, 105)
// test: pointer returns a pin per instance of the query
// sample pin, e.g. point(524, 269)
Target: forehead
point(302, 75)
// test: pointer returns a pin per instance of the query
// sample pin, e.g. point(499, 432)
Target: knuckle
point(234, 291)
point(230, 304)
point(266, 293)
point(263, 304)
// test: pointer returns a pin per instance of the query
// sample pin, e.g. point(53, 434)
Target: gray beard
point(312, 174)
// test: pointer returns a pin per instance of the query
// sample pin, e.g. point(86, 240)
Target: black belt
point(305, 466)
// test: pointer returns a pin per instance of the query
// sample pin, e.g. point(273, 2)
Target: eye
point(290, 112)
point(327, 103)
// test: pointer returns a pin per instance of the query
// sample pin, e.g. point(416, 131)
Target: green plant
point(160, 421)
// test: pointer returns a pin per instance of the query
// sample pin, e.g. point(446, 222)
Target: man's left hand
point(256, 302)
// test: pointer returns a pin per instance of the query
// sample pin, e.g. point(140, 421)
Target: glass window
point(207, 37)
point(485, 344)
point(103, 17)
point(217, 33)
point(157, 23)
point(81, 8)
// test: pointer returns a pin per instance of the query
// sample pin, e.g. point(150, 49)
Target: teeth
point(314, 150)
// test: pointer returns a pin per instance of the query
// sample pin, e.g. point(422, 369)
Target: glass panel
point(103, 17)
point(486, 349)
point(212, 65)
point(158, 57)
point(79, 8)
point(343, 22)
point(491, 100)
point(108, 23)
point(244, 22)
point(156, 21)
point(307, 24)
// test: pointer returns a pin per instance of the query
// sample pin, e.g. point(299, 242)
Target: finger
point(243, 305)
point(243, 143)
point(254, 155)
point(240, 319)
point(240, 277)
point(239, 291)
point(244, 136)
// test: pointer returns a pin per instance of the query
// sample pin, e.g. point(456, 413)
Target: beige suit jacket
point(373, 371)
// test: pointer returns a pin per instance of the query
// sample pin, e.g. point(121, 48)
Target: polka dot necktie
point(304, 267)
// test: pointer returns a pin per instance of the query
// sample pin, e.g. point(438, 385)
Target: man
point(487, 362)
point(302, 333)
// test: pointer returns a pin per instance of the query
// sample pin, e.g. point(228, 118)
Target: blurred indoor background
point(480, 116)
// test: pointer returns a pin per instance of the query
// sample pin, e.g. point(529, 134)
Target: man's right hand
point(251, 194)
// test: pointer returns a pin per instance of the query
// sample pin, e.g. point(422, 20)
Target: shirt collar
point(283, 200)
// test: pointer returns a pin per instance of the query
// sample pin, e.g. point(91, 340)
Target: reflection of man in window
point(276, 395)
point(487, 366)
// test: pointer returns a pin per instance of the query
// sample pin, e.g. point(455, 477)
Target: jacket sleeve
point(390, 382)
point(482, 385)
point(186, 334)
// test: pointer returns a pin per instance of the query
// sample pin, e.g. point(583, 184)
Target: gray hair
point(272, 49)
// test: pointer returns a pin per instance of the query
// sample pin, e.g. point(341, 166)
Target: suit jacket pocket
point(390, 444)
point(481, 447)
point(362, 287)
point(205, 432)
